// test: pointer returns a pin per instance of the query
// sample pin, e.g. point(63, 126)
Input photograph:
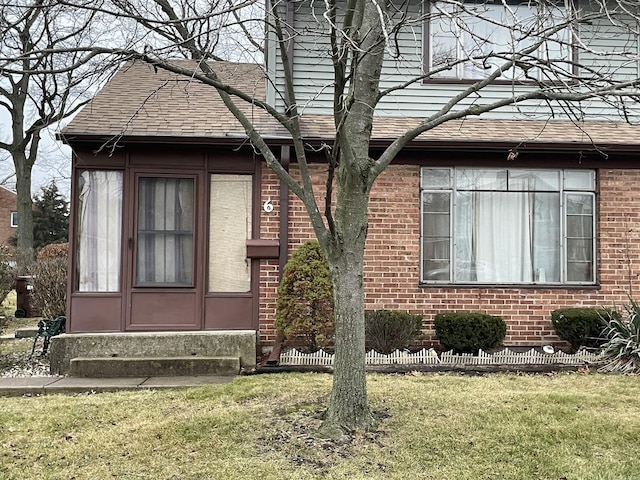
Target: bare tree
point(543, 58)
point(41, 85)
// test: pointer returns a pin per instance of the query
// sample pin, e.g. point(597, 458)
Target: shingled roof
point(143, 102)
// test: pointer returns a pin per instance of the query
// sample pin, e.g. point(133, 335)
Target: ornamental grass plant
point(390, 330)
point(621, 348)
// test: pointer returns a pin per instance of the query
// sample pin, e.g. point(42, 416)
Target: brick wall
point(269, 270)
point(392, 259)
point(8, 204)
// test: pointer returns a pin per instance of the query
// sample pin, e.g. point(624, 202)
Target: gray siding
point(313, 73)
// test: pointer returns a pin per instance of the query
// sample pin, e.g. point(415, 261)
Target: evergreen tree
point(50, 217)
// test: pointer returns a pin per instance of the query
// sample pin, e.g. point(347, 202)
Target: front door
point(164, 287)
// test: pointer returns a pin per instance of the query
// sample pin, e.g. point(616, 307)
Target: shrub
point(621, 347)
point(49, 293)
point(7, 274)
point(469, 332)
point(389, 330)
point(54, 250)
point(581, 327)
point(304, 309)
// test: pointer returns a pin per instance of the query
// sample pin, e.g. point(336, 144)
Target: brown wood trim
point(256, 213)
point(230, 162)
point(258, 248)
point(71, 259)
point(87, 159)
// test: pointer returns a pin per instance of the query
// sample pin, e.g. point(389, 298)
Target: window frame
point(563, 191)
point(460, 79)
point(13, 220)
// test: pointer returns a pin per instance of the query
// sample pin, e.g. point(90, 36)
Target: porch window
point(508, 226)
point(99, 226)
point(472, 38)
point(229, 228)
point(164, 253)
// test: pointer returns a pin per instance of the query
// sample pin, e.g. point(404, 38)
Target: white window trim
point(14, 219)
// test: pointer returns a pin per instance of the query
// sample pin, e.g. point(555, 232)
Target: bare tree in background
point(42, 83)
point(548, 56)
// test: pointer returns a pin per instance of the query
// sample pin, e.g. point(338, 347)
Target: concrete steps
point(153, 353)
point(153, 366)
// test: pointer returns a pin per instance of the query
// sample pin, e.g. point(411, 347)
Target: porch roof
point(144, 104)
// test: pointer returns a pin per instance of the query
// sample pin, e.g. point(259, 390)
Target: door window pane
point(99, 226)
point(164, 252)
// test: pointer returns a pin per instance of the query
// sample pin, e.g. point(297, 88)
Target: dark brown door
point(164, 289)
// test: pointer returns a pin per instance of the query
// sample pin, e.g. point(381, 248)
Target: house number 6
point(268, 206)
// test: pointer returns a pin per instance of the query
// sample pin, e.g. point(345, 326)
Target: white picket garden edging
point(294, 357)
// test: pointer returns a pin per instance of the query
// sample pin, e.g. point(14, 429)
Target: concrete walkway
point(19, 386)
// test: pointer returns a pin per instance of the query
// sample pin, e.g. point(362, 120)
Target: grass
point(15, 323)
point(498, 426)
point(18, 345)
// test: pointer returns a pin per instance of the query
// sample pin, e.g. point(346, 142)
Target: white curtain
point(505, 237)
point(165, 231)
point(99, 231)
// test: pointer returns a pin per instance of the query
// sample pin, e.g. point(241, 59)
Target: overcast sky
point(54, 161)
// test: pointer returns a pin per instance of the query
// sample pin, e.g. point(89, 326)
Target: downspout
point(285, 160)
point(285, 154)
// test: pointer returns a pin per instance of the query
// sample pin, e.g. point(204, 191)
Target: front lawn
point(500, 426)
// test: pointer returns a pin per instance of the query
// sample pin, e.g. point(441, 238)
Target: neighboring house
point(178, 224)
point(8, 215)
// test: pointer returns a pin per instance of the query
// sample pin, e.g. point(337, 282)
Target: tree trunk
point(23, 167)
point(348, 406)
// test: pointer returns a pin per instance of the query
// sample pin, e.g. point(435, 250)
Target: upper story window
point(508, 226)
point(14, 219)
point(471, 38)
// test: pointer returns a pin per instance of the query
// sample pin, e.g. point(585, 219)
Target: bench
point(48, 328)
